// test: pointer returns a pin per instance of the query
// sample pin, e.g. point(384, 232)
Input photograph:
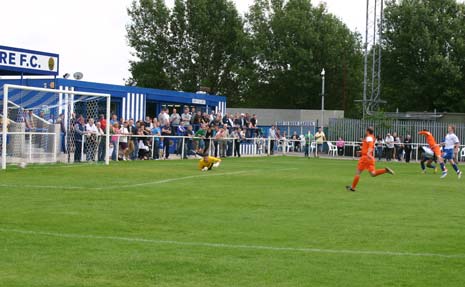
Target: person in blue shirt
point(156, 131)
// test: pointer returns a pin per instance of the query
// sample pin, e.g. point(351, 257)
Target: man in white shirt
point(123, 141)
point(186, 117)
point(389, 141)
point(163, 117)
point(451, 148)
point(175, 118)
point(90, 144)
point(272, 137)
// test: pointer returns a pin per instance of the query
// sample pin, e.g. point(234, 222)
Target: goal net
point(41, 125)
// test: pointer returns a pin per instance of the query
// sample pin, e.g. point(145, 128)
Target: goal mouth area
point(38, 125)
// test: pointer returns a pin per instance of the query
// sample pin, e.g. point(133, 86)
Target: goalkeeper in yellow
point(208, 162)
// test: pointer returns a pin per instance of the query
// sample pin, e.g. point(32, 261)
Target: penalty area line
point(156, 182)
point(44, 186)
point(161, 181)
point(232, 246)
point(168, 180)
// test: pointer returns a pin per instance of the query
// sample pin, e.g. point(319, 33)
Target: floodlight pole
point(365, 62)
point(323, 73)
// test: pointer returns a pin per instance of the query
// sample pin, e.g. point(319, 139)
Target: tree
point(290, 44)
point(196, 44)
point(148, 35)
point(272, 59)
point(423, 55)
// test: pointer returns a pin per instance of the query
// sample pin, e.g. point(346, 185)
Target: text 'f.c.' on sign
point(15, 61)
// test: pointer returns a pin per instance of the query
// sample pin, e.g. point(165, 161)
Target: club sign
point(28, 62)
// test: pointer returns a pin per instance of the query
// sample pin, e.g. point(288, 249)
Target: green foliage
point(272, 58)
point(197, 43)
point(424, 55)
point(291, 43)
point(148, 35)
point(381, 120)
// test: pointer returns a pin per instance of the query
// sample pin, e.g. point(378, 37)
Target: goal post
point(41, 125)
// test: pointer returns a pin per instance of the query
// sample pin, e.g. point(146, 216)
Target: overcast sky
point(90, 35)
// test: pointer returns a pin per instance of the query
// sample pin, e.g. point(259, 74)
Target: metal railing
point(184, 146)
point(180, 145)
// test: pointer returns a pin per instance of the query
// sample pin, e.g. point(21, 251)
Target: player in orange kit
point(435, 148)
point(367, 161)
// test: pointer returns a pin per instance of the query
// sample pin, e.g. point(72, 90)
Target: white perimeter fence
point(94, 148)
point(181, 147)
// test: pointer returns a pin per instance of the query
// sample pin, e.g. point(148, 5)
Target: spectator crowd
point(393, 147)
point(193, 132)
point(157, 137)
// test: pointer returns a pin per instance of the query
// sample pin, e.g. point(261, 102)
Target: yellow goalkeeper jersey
point(211, 161)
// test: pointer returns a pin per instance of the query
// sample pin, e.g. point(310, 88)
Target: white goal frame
point(5, 132)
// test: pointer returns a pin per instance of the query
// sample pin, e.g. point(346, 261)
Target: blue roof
point(152, 94)
point(118, 91)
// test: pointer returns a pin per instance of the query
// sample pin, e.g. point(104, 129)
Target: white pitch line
point(287, 169)
point(234, 246)
point(161, 181)
point(192, 177)
point(43, 186)
point(168, 180)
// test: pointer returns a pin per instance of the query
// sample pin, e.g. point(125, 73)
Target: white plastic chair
point(462, 154)
point(312, 148)
point(332, 149)
point(290, 146)
point(302, 145)
point(259, 146)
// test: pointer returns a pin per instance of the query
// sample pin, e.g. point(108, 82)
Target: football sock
point(355, 182)
point(422, 165)
point(380, 172)
point(456, 168)
point(443, 167)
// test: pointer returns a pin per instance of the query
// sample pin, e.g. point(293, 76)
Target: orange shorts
point(366, 163)
point(437, 151)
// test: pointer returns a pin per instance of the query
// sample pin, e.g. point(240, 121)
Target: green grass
point(71, 226)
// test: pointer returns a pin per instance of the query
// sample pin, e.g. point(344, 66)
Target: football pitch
point(280, 221)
